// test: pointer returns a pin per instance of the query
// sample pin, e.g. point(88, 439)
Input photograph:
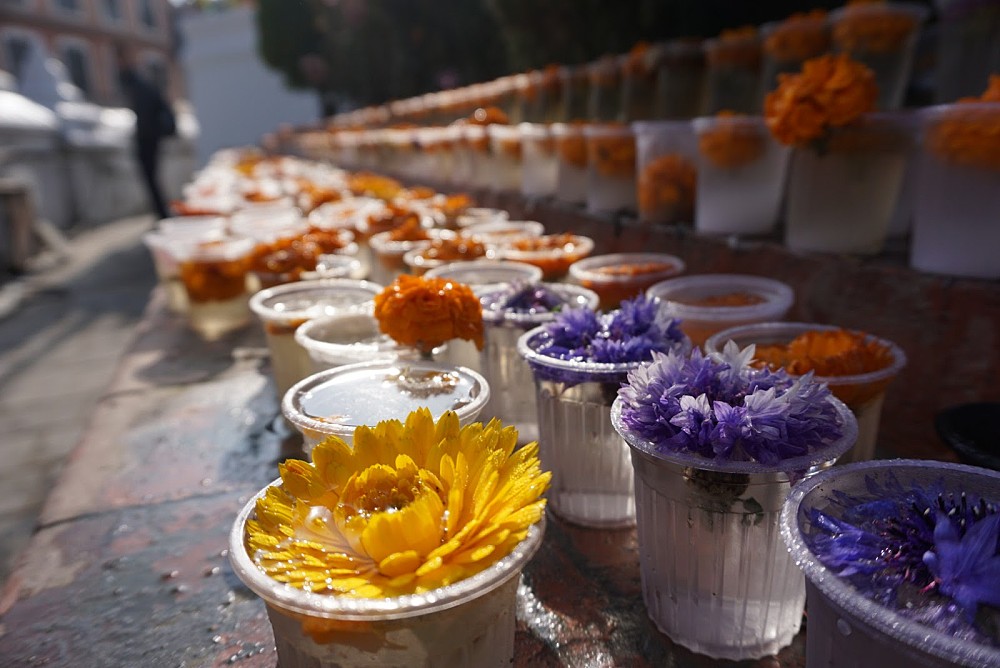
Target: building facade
point(83, 35)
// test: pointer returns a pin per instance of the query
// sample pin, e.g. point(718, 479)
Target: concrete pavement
point(63, 329)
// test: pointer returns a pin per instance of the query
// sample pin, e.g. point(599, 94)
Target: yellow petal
point(399, 564)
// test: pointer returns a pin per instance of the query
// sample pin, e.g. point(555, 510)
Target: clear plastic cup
point(539, 165)
point(846, 627)
point(284, 308)
point(863, 393)
point(387, 256)
point(468, 623)
point(487, 272)
point(336, 401)
point(268, 223)
point(571, 163)
point(841, 199)
point(500, 231)
point(505, 145)
point(882, 36)
point(667, 155)
point(505, 370)
point(480, 214)
point(741, 176)
point(348, 338)
point(708, 303)
point(167, 250)
point(619, 276)
point(552, 253)
point(215, 276)
point(715, 575)
point(332, 265)
point(611, 168)
point(592, 478)
point(192, 225)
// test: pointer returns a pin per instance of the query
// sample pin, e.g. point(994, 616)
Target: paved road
point(58, 350)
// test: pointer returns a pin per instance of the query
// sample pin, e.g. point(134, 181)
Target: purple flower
point(966, 568)
point(629, 334)
point(525, 298)
point(721, 407)
point(931, 556)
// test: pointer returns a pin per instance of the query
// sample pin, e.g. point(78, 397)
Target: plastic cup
point(479, 214)
point(348, 338)
point(539, 166)
point(841, 200)
point(166, 250)
point(863, 393)
point(715, 575)
point(487, 272)
point(467, 623)
point(708, 303)
point(505, 144)
point(553, 253)
point(214, 274)
point(741, 176)
point(284, 308)
point(506, 371)
point(336, 266)
point(667, 171)
point(571, 163)
point(336, 401)
point(611, 168)
point(502, 231)
point(620, 276)
point(882, 36)
point(592, 480)
point(955, 203)
point(387, 256)
point(848, 628)
point(734, 73)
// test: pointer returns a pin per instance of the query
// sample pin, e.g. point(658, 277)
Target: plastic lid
point(487, 272)
point(338, 400)
point(674, 292)
point(304, 300)
point(587, 269)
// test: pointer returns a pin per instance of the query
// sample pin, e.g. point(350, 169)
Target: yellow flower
point(409, 508)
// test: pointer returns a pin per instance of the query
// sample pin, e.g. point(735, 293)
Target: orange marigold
point(667, 184)
point(738, 47)
point(613, 156)
point(873, 27)
point(830, 91)
point(573, 150)
point(802, 35)
point(969, 133)
point(730, 143)
point(426, 312)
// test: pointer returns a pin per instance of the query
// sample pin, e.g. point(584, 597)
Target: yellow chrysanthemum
point(409, 508)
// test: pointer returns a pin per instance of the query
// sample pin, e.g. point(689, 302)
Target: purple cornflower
point(720, 407)
point(929, 555)
point(525, 298)
point(629, 334)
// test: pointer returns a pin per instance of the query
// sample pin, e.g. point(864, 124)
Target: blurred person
point(154, 121)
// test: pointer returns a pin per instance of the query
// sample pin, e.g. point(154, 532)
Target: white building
point(236, 98)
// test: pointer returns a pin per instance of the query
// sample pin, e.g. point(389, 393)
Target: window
point(15, 54)
point(113, 10)
point(146, 13)
point(75, 60)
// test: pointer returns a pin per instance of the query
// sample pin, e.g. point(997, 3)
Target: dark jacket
point(154, 119)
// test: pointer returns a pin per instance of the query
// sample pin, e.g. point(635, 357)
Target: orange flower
point(635, 63)
point(573, 150)
point(802, 35)
point(873, 28)
point(830, 91)
point(832, 353)
point(667, 184)
point(613, 156)
point(970, 135)
point(426, 312)
point(373, 185)
point(738, 47)
point(410, 230)
point(729, 144)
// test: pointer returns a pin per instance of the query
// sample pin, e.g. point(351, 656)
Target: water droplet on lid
point(843, 627)
point(205, 482)
point(217, 639)
point(170, 575)
point(214, 570)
